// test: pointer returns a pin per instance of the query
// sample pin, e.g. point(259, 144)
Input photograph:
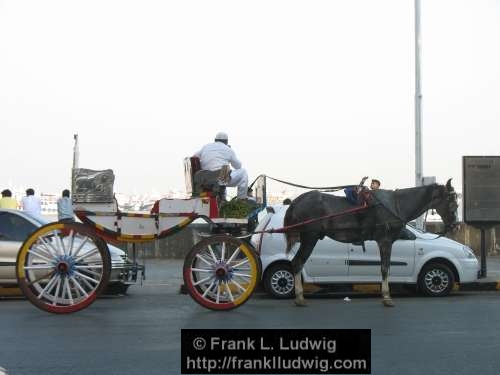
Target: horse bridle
point(452, 202)
point(452, 206)
point(452, 199)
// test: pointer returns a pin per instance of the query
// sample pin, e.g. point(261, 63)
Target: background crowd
point(33, 206)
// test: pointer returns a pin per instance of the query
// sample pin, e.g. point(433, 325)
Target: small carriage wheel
point(221, 272)
point(62, 267)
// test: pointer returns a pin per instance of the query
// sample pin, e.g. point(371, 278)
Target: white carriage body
point(94, 204)
point(172, 213)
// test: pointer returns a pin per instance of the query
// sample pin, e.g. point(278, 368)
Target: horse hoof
point(300, 303)
point(388, 302)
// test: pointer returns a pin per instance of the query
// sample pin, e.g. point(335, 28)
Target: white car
point(418, 258)
point(16, 226)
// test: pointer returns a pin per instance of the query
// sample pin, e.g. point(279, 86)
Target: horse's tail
point(292, 237)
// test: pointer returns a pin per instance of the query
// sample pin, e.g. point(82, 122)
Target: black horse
point(386, 213)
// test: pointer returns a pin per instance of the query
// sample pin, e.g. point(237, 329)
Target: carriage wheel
point(221, 272)
point(62, 267)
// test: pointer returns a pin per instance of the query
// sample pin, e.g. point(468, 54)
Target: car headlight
point(469, 254)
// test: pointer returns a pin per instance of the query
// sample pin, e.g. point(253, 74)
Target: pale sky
point(315, 92)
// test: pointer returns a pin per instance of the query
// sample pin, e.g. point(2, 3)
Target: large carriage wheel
point(62, 267)
point(221, 272)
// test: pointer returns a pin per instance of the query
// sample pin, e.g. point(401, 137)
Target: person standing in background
point(31, 204)
point(65, 207)
point(7, 201)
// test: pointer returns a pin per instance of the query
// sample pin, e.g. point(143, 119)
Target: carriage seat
point(211, 181)
point(200, 181)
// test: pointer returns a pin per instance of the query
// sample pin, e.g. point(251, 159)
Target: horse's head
point(445, 203)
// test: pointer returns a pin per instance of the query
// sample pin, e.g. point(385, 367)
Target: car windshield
point(413, 225)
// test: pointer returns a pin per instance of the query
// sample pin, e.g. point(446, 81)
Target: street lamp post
point(418, 109)
point(76, 152)
point(76, 157)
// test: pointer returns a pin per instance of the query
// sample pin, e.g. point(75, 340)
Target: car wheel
point(436, 280)
point(279, 281)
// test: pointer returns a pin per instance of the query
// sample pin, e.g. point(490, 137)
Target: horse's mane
point(405, 204)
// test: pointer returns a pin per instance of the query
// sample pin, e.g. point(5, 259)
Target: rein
point(324, 189)
point(310, 221)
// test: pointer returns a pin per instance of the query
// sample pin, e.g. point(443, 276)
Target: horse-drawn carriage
point(62, 267)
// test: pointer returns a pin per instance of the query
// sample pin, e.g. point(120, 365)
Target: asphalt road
point(140, 333)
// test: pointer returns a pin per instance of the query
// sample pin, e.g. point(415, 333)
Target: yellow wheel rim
point(221, 272)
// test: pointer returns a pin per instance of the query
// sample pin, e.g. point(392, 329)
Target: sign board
point(481, 189)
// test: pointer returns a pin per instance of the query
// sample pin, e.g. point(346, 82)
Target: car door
point(365, 265)
point(14, 229)
point(328, 261)
point(403, 255)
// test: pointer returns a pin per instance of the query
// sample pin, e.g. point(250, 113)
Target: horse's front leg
point(385, 264)
point(307, 243)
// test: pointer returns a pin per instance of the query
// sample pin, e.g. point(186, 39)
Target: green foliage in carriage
point(237, 208)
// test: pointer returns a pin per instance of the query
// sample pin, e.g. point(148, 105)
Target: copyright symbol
point(199, 343)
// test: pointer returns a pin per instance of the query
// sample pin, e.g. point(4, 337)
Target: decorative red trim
point(72, 308)
point(214, 208)
point(177, 227)
point(156, 207)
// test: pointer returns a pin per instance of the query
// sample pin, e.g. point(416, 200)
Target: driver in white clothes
point(213, 156)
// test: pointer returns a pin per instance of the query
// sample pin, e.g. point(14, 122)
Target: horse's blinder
point(450, 221)
point(452, 208)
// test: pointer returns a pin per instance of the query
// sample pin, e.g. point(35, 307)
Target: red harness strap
point(310, 221)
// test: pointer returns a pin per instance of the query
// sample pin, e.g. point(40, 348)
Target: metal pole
point(418, 108)
point(76, 156)
point(483, 253)
point(76, 152)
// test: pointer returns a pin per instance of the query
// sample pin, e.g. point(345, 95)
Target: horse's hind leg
point(307, 243)
point(385, 247)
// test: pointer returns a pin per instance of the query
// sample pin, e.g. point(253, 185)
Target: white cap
point(221, 136)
